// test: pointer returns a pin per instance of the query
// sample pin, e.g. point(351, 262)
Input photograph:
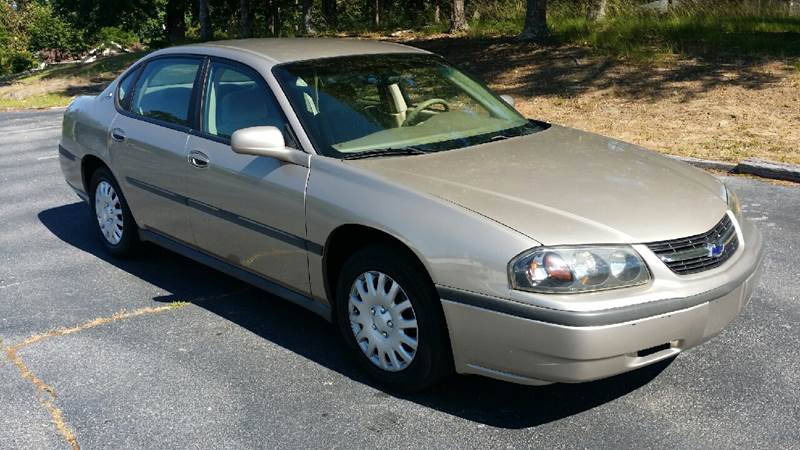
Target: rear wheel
point(391, 318)
point(113, 219)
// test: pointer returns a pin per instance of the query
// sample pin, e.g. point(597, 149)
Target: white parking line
point(47, 157)
point(30, 130)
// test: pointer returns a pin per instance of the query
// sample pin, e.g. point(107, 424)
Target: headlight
point(733, 203)
point(577, 269)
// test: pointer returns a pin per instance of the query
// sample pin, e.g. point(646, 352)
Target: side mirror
point(266, 141)
point(508, 99)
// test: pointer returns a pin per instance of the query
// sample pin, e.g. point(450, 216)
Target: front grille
point(701, 252)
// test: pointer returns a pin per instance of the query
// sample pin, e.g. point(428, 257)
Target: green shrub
point(22, 61)
point(14, 61)
point(47, 31)
point(12, 29)
point(107, 35)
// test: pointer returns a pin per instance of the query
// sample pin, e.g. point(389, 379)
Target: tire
point(431, 359)
point(120, 235)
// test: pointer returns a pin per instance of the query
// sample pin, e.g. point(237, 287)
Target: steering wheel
point(412, 115)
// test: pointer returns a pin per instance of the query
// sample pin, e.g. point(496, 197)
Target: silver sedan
point(387, 191)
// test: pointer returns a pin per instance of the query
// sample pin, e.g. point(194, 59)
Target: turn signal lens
point(577, 269)
point(550, 265)
point(733, 203)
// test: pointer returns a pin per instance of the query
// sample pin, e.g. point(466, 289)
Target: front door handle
point(118, 135)
point(198, 159)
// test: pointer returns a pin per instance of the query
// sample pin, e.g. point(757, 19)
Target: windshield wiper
point(389, 151)
point(515, 132)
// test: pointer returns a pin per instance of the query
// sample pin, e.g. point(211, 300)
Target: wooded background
point(32, 31)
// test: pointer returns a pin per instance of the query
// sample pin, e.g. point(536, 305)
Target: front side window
point(237, 98)
point(362, 104)
point(164, 90)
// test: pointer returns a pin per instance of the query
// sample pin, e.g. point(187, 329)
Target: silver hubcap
point(108, 210)
point(383, 321)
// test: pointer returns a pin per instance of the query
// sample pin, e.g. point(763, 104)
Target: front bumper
point(524, 342)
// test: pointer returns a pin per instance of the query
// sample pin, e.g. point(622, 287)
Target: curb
point(706, 163)
point(751, 166)
point(769, 169)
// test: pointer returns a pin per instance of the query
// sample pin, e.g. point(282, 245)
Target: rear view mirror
point(508, 99)
point(266, 141)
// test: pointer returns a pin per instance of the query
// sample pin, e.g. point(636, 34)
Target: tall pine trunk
point(535, 22)
point(175, 21)
point(330, 13)
point(376, 13)
point(308, 27)
point(272, 15)
point(206, 33)
point(458, 19)
point(245, 19)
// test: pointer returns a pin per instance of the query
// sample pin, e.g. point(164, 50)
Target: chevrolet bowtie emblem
point(715, 249)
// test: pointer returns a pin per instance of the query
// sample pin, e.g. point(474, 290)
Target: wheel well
point(346, 240)
point(89, 164)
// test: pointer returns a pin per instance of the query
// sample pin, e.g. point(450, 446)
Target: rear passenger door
point(246, 210)
point(148, 142)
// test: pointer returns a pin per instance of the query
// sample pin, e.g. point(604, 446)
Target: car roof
point(281, 50)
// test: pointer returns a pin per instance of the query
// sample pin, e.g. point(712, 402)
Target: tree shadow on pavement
point(478, 399)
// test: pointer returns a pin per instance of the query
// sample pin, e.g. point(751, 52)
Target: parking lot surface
point(234, 367)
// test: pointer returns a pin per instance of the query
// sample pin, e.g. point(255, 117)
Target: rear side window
point(124, 89)
point(164, 90)
point(236, 98)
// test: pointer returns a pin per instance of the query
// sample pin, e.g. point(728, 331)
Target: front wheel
point(392, 320)
point(113, 219)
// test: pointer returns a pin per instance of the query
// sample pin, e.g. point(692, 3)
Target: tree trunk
point(308, 27)
point(417, 11)
point(268, 17)
point(205, 21)
point(597, 10)
point(376, 13)
point(437, 11)
point(458, 19)
point(535, 22)
point(176, 21)
point(272, 17)
point(245, 19)
point(330, 14)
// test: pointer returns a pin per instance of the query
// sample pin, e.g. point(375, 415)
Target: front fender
point(459, 248)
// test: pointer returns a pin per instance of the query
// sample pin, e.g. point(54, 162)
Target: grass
point(735, 28)
point(103, 68)
point(710, 83)
point(58, 85)
point(35, 101)
point(651, 37)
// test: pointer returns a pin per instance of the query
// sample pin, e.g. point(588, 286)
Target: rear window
point(164, 90)
point(124, 88)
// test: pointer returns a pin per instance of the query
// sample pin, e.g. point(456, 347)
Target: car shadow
point(478, 399)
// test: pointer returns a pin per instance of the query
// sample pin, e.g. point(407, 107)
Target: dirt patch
point(708, 106)
point(712, 106)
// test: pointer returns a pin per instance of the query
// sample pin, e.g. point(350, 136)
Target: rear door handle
point(117, 135)
point(198, 159)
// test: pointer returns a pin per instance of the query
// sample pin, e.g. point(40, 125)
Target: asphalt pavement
point(235, 367)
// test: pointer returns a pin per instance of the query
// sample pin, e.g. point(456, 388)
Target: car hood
point(564, 186)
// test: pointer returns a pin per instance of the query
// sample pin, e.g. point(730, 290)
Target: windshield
point(372, 104)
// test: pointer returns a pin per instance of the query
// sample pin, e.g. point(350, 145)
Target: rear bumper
point(71, 168)
point(526, 344)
